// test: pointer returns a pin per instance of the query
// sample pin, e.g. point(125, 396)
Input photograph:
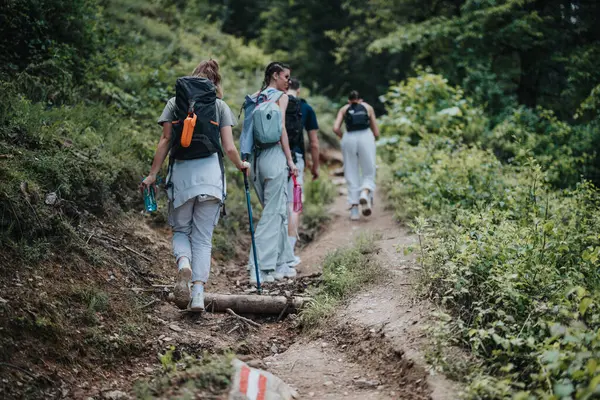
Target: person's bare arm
point(313, 138)
point(337, 126)
point(285, 144)
point(159, 157)
point(372, 120)
point(230, 149)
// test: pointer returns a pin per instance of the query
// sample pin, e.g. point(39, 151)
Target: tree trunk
point(529, 81)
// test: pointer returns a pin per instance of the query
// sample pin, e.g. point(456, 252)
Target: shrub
point(565, 151)
point(514, 261)
point(428, 104)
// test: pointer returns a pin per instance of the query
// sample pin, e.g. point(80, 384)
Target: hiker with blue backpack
point(196, 133)
point(264, 141)
point(300, 116)
point(358, 150)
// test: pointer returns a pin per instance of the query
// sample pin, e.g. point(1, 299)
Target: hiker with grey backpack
point(264, 142)
point(196, 134)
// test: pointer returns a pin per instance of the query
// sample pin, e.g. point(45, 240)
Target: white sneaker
point(276, 274)
point(354, 215)
point(264, 278)
point(182, 287)
point(286, 271)
point(365, 202)
point(197, 302)
point(296, 262)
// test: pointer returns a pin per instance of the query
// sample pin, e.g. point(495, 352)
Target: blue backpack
point(261, 129)
point(267, 119)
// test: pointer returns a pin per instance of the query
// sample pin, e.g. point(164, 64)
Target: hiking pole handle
point(246, 184)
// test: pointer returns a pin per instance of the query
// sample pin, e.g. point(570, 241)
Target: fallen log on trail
point(253, 304)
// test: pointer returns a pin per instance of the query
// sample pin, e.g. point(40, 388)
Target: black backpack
point(293, 124)
point(196, 132)
point(196, 115)
point(357, 117)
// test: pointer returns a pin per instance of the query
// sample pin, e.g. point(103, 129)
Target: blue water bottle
point(150, 199)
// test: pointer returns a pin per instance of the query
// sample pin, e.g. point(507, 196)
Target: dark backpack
point(195, 131)
point(357, 118)
point(293, 124)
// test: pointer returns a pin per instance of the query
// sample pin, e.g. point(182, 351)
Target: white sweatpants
point(358, 149)
point(193, 223)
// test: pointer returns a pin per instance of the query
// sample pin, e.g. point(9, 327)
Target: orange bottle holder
point(188, 130)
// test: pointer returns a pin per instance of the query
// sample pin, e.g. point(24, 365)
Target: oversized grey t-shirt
point(202, 176)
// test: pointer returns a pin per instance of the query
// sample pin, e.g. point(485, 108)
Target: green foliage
point(428, 104)
point(46, 45)
point(537, 53)
point(207, 377)
point(69, 151)
point(318, 195)
point(513, 259)
point(565, 151)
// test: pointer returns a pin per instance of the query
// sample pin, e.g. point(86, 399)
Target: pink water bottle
point(297, 195)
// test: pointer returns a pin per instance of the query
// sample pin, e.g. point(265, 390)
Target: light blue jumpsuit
point(269, 175)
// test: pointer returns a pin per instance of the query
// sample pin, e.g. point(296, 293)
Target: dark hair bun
point(354, 95)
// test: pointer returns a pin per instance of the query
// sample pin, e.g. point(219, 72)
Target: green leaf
point(550, 356)
point(584, 305)
point(563, 389)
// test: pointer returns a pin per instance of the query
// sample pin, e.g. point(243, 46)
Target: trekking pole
point(247, 186)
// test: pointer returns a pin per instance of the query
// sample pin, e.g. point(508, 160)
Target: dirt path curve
point(318, 369)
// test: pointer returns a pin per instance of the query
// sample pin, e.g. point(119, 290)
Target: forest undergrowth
point(509, 245)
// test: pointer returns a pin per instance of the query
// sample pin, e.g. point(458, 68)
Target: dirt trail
point(372, 349)
point(321, 370)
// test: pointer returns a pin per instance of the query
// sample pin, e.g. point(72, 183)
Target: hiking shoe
point(197, 302)
point(296, 262)
point(365, 202)
point(182, 287)
point(276, 274)
point(354, 215)
point(264, 277)
point(286, 271)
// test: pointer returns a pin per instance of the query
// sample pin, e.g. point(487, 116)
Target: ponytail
point(210, 70)
point(271, 69)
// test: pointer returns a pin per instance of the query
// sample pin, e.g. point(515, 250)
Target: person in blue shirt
point(310, 124)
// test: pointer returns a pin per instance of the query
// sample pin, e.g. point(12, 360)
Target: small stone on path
point(116, 395)
point(175, 328)
point(363, 383)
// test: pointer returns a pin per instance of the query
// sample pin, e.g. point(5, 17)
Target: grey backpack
point(267, 119)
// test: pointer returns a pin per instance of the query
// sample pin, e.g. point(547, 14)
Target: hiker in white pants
point(270, 170)
point(197, 194)
point(358, 150)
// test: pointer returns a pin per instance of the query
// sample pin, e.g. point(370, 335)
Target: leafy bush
point(428, 104)
point(47, 45)
point(513, 260)
point(441, 177)
point(565, 151)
